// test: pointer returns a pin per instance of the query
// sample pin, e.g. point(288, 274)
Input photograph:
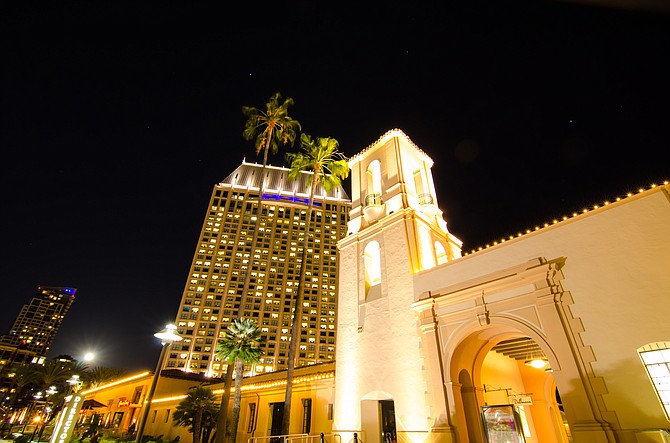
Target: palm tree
point(329, 167)
point(56, 372)
point(197, 412)
point(272, 127)
point(240, 346)
point(269, 129)
point(25, 376)
point(100, 375)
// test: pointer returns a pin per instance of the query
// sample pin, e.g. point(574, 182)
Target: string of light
point(565, 217)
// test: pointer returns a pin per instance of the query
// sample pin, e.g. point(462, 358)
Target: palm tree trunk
point(221, 422)
point(297, 314)
point(197, 423)
point(222, 418)
point(237, 400)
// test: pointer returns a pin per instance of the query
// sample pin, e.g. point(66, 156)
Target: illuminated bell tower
point(396, 230)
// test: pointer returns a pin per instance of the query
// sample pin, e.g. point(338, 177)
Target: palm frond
point(271, 127)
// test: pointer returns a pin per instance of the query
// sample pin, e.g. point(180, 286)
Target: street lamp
point(47, 411)
point(167, 336)
point(75, 383)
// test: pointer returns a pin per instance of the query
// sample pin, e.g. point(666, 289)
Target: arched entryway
point(503, 393)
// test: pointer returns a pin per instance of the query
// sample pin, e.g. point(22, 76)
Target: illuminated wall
point(379, 355)
point(589, 290)
point(313, 387)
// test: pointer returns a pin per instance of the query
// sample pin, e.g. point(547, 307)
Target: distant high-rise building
point(225, 253)
point(35, 328)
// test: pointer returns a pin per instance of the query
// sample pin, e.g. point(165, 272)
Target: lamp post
point(47, 411)
point(167, 336)
point(37, 397)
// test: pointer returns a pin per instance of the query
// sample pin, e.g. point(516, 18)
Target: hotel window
point(656, 360)
point(307, 415)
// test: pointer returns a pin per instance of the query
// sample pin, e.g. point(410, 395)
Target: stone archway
point(489, 369)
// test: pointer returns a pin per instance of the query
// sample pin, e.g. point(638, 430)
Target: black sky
point(119, 118)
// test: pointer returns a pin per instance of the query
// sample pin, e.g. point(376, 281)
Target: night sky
point(119, 118)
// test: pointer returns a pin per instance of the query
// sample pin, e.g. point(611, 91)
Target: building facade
point(225, 256)
point(37, 324)
point(555, 335)
point(454, 337)
point(116, 406)
point(31, 334)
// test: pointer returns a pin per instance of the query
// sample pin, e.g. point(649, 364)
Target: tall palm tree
point(270, 129)
point(329, 167)
point(197, 412)
point(240, 346)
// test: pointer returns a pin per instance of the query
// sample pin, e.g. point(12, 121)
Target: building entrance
point(512, 392)
point(276, 417)
point(388, 421)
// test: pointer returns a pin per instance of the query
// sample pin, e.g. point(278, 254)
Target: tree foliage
point(329, 167)
point(240, 345)
point(197, 412)
point(269, 129)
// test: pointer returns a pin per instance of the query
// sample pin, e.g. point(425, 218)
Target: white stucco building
point(432, 346)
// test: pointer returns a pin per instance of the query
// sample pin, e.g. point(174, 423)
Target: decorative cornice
point(388, 134)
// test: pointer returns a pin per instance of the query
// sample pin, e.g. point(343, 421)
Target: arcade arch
point(489, 376)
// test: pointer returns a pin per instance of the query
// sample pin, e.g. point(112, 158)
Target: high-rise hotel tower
point(30, 336)
point(225, 254)
point(35, 327)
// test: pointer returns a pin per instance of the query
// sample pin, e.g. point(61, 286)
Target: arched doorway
point(504, 391)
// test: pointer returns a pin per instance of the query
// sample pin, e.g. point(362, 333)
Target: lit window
point(372, 260)
point(656, 359)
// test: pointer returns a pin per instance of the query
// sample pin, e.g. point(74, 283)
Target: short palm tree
point(100, 375)
point(197, 412)
point(269, 129)
point(56, 372)
point(329, 167)
point(24, 377)
point(239, 346)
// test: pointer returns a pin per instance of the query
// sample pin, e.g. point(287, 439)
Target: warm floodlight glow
point(89, 356)
point(537, 363)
